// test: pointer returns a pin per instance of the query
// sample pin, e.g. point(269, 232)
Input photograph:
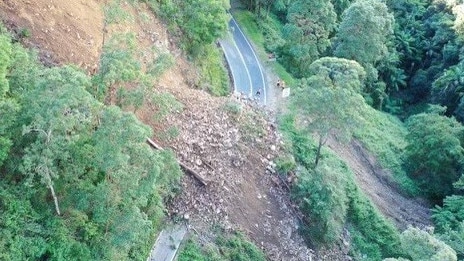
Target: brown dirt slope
point(371, 178)
point(68, 31)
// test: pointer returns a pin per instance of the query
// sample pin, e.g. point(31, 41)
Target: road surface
point(244, 64)
point(167, 243)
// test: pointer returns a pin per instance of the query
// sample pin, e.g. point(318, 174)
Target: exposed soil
point(68, 31)
point(229, 141)
point(373, 181)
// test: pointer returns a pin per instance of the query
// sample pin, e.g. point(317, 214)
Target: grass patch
point(115, 14)
point(233, 247)
point(385, 136)
point(213, 74)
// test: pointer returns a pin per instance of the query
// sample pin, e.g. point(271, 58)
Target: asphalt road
point(244, 64)
point(167, 243)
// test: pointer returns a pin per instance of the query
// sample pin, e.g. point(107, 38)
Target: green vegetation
point(199, 23)
point(329, 100)
point(213, 74)
point(230, 247)
point(115, 13)
point(449, 220)
point(434, 156)
point(331, 201)
point(420, 245)
point(410, 53)
point(78, 181)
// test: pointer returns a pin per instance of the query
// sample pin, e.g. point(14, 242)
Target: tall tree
point(434, 154)
point(363, 32)
point(59, 110)
point(126, 203)
point(362, 36)
point(329, 100)
point(310, 23)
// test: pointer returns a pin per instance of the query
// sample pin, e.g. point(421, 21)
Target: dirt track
point(372, 180)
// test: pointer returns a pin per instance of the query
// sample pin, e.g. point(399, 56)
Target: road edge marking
point(256, 58)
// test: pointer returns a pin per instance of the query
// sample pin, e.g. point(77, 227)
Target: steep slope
point(224, 139)
point(228, 141)
point(370, 177)
point(62, 31)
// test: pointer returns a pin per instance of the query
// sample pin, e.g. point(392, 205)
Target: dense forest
point(362, 67)
point(78, 181)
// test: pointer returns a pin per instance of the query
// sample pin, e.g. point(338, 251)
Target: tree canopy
point(309, 26)
point(434, 154)
point(78, 181)
point(329, 100)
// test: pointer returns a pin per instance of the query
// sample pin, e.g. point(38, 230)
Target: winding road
point(244, 65)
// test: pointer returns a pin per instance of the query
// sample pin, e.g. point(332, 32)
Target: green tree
point(363, 32)
point(434, 155)
point(422, 246)
point(329, 100)
point(127, 203)
point(59, 109)
point(8, 106)
point(455, 239)
point(22, 236)
point(362, 36)
point(448, 89)
point(310, 23)
point(449, 220)
point(322, 196)
point(118, 66)
point(202, 21)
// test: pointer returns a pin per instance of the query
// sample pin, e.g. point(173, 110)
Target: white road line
point(244, 63)
point(231, 69)
point(254, 54)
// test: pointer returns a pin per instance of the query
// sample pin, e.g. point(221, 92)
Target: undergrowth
point(213, 74)
point(331, 200)
point(203, 53)
point(233, 247)
point(385, 136)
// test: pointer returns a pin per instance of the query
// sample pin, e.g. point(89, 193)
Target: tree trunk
point(55, 199)
point(183, 166)
point(322, 141)
point(318, 152)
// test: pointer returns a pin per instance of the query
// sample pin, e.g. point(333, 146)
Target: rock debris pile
point(232, 144)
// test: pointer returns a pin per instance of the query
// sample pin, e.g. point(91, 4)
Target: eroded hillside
point(231, 143)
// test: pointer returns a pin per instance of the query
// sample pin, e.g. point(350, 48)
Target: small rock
point(198, 162)
point(186, 216)
point(273, 147)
